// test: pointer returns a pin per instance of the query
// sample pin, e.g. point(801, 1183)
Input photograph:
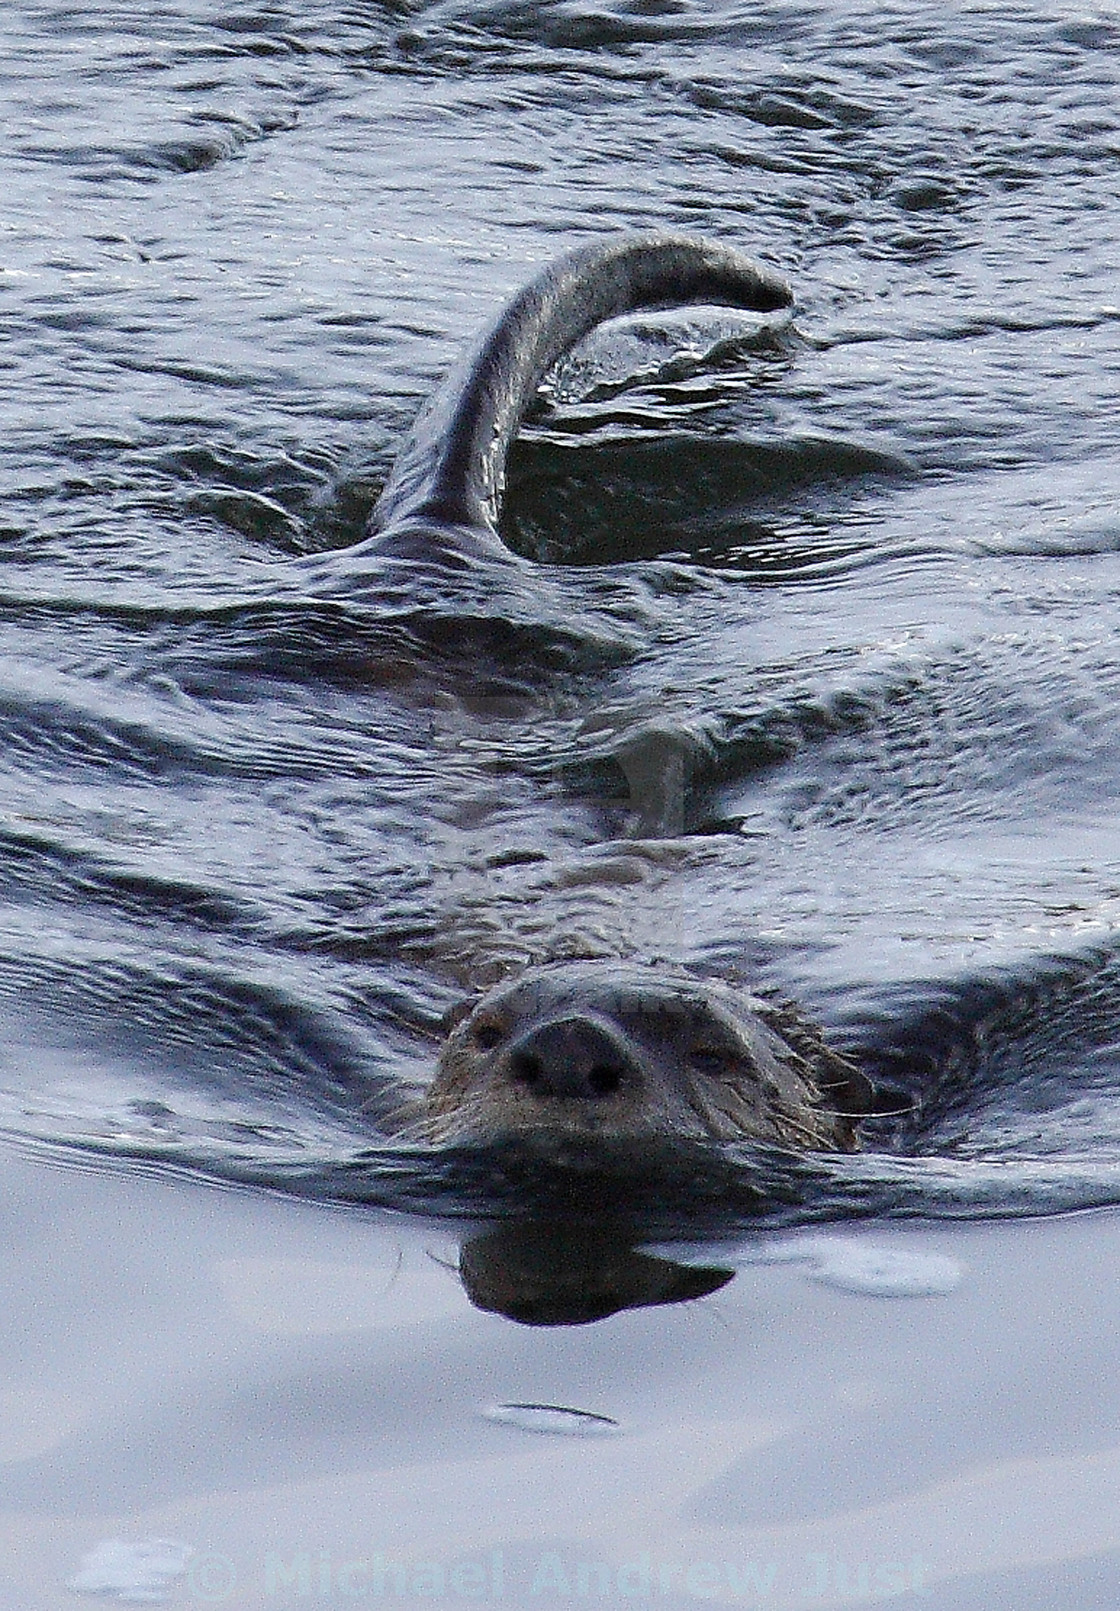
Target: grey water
point(850, 578)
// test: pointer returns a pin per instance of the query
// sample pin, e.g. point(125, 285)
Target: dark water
point(854, 575)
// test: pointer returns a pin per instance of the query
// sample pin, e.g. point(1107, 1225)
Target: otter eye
point(708, 1059)
point(486, 1034)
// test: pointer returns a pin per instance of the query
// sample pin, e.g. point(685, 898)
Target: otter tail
point(451, 471)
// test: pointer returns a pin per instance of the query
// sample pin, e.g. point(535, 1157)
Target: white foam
point(883, 1272)
point(868, 1268)
point(142, 1571)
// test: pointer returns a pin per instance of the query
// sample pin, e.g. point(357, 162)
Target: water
point(856, 571)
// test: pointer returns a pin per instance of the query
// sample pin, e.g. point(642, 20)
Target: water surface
point(856, 570)
point(265, 813)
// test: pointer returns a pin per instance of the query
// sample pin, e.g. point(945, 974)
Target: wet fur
point(675, 1057)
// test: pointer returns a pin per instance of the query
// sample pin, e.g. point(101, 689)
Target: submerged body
point(597, 1049)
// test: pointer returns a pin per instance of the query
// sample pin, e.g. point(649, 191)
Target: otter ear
point(459, 1010)
point(846, 1087)
point(842, 1083)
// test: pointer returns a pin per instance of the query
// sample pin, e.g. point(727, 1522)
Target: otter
point(596, 1049)
point(600, 1050)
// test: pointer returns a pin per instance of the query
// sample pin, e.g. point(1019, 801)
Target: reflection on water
point(327, 1370)
point(565, 1274)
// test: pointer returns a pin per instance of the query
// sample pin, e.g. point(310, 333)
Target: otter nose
point(575, 1058)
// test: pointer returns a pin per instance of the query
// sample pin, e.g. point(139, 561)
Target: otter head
point(598, 1050)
